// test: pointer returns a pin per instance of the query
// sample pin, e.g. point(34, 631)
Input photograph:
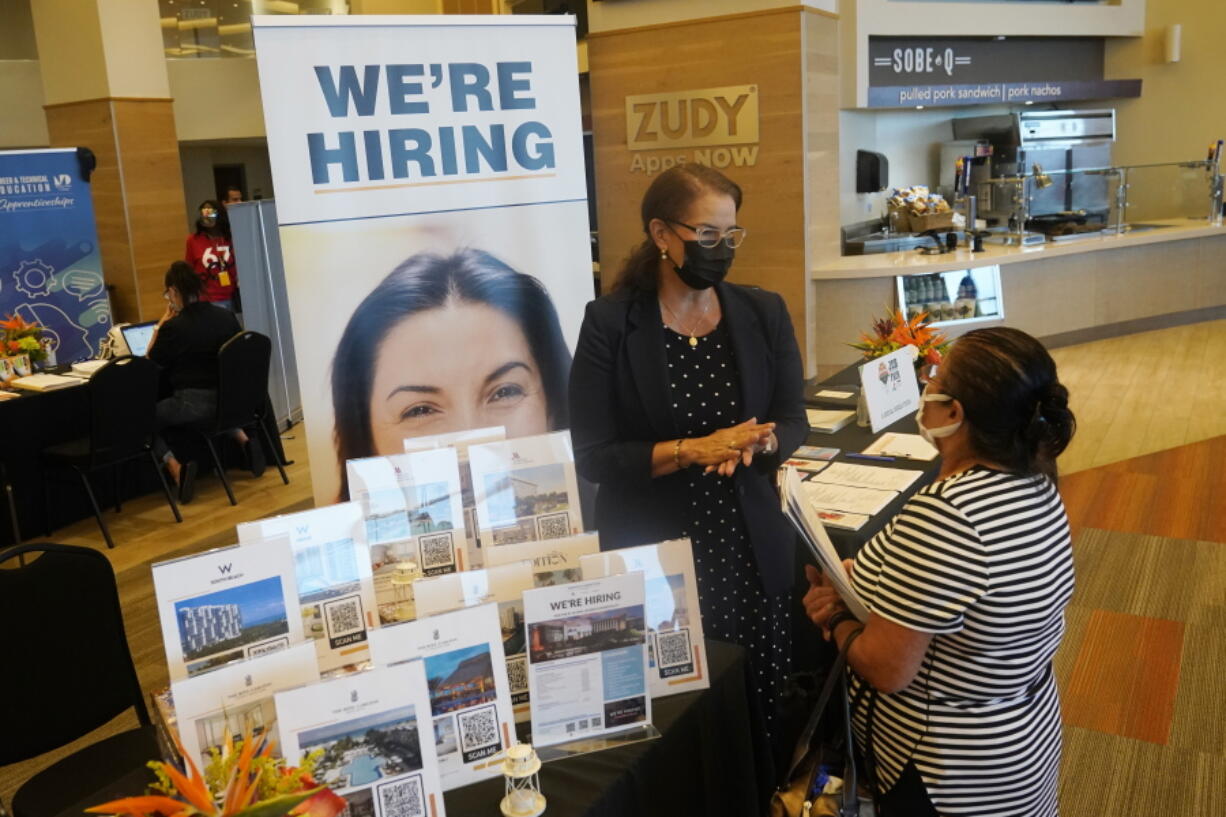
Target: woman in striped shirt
point(954, 701)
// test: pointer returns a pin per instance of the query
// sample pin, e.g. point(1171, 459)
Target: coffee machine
point(1022, 168)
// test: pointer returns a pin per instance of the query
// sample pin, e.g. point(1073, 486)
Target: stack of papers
point(906, 446)
point(846, 495)
point(828, 421)
point(45, 382)
point(804, 517)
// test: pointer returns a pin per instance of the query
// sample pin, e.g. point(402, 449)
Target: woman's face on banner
point(458, 367)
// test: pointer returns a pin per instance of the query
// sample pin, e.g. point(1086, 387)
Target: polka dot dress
point(705, 395)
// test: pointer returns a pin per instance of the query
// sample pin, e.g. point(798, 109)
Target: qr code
point(673, 649)
point(478, 728)
point(344, 616)
point(437, 551)
point(517, 673)
point(402, 798)
point(553, 525)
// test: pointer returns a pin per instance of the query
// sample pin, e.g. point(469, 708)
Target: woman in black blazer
point(685, 395)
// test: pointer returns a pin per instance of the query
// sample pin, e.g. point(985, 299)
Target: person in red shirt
point(211, 254)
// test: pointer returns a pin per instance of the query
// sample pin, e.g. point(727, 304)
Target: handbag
point(801, 795)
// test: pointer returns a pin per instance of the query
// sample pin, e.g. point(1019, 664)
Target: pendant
point(693, 341)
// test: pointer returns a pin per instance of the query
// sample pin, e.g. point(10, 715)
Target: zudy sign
point(720, 125)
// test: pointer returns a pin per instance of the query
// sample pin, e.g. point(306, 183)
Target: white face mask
point(931, 435)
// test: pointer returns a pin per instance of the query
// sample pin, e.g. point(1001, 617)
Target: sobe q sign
point(422, 150)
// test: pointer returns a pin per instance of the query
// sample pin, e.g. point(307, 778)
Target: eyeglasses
point(711, 236)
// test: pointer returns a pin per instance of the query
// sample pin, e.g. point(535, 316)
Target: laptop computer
point(137, 336)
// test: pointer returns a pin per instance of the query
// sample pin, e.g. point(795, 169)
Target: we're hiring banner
point(50, 269)
point(433, 214)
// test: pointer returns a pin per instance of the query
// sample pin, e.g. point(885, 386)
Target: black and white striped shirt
point(983, 561)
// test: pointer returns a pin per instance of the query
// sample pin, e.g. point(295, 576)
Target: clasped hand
point(723, 450)
point(822, 601)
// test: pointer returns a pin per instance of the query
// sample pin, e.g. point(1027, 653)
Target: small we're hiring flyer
point(332, 568)
point(227, 605)
point(470, 701)
point(373, 731)
point(587, 658)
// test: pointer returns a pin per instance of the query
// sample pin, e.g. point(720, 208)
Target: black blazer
point(620, 408)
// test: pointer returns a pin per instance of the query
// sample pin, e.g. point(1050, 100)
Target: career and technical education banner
point(50, 269)
point(433, 210)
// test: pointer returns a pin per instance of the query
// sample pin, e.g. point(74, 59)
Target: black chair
point(123, 398)
point(67, 672)
point(242, 400)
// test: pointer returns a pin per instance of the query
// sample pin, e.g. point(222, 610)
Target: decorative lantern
point(520, 769)
point(404, 575)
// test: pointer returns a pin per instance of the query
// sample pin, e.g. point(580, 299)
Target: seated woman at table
point(185, 344)
point(954, 702)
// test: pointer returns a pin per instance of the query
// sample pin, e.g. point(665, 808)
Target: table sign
point(889, 387)
point(470, 701)
point(238, 697)
point(332, 566)
point(460, 441)
point(374, 730)
point(525, 489)
point(587, 658)
point(676, 649)
point(227, 604)
point(413, 513)
point(554, 561)
point(504, 585)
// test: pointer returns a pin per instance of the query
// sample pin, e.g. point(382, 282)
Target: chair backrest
point(123, 398)
point(242, 379)
point(67, 667)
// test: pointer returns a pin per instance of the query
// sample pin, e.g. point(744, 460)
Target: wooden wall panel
point(753, 49)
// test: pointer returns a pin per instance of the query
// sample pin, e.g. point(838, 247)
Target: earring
point(664, 252)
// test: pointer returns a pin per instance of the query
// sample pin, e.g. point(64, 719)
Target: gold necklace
point(691, 333)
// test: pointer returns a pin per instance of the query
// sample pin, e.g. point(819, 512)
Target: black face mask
point(705, 266)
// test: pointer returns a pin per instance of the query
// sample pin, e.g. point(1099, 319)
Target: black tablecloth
point(704, 763)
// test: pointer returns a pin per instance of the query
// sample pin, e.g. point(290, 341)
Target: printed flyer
point(226, 605)
point(470, 701)
point(554, 561)
point(503, 585)
point(372, 730)
point(238, 697)
point(676, 651)
point(460, 441)
point(525, 489)
point(414, 522)
point(332, 567)
point(587, 658)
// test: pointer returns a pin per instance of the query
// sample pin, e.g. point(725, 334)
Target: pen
point(856, 456)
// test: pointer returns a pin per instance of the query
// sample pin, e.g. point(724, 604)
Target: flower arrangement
point(240, 780)
point(21, 338)
point(895, 331)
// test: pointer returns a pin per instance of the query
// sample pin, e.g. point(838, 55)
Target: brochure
point(227, 604)
point(525, 489)
point(460, 441)
point(332, 565)
point(503, 585)
point(414, 522)
point(238, 697)
point(587, 658)
point(829, 496)
point(803, 517)
point(890, 388)
point(554, 561)
point(676, 650)
point(868, 476)
point(374, 731)
point(470, 701)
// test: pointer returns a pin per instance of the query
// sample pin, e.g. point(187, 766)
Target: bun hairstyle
point(182, 277)
point(669, 198)
point(1016, 408)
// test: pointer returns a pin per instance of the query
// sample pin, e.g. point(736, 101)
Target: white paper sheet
point(375, 733)
point(676, 648)
point(554, 561)
point(226, 605)
point(867, 476)
point(525, 489)
point(587, 658)
point(332, 567)
point(470, 701)
point(868, 501)
point(503, 585)
point(804, 517)
point(238, 697)
point(837, 395)
point(414, 518)
point(907, 446)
